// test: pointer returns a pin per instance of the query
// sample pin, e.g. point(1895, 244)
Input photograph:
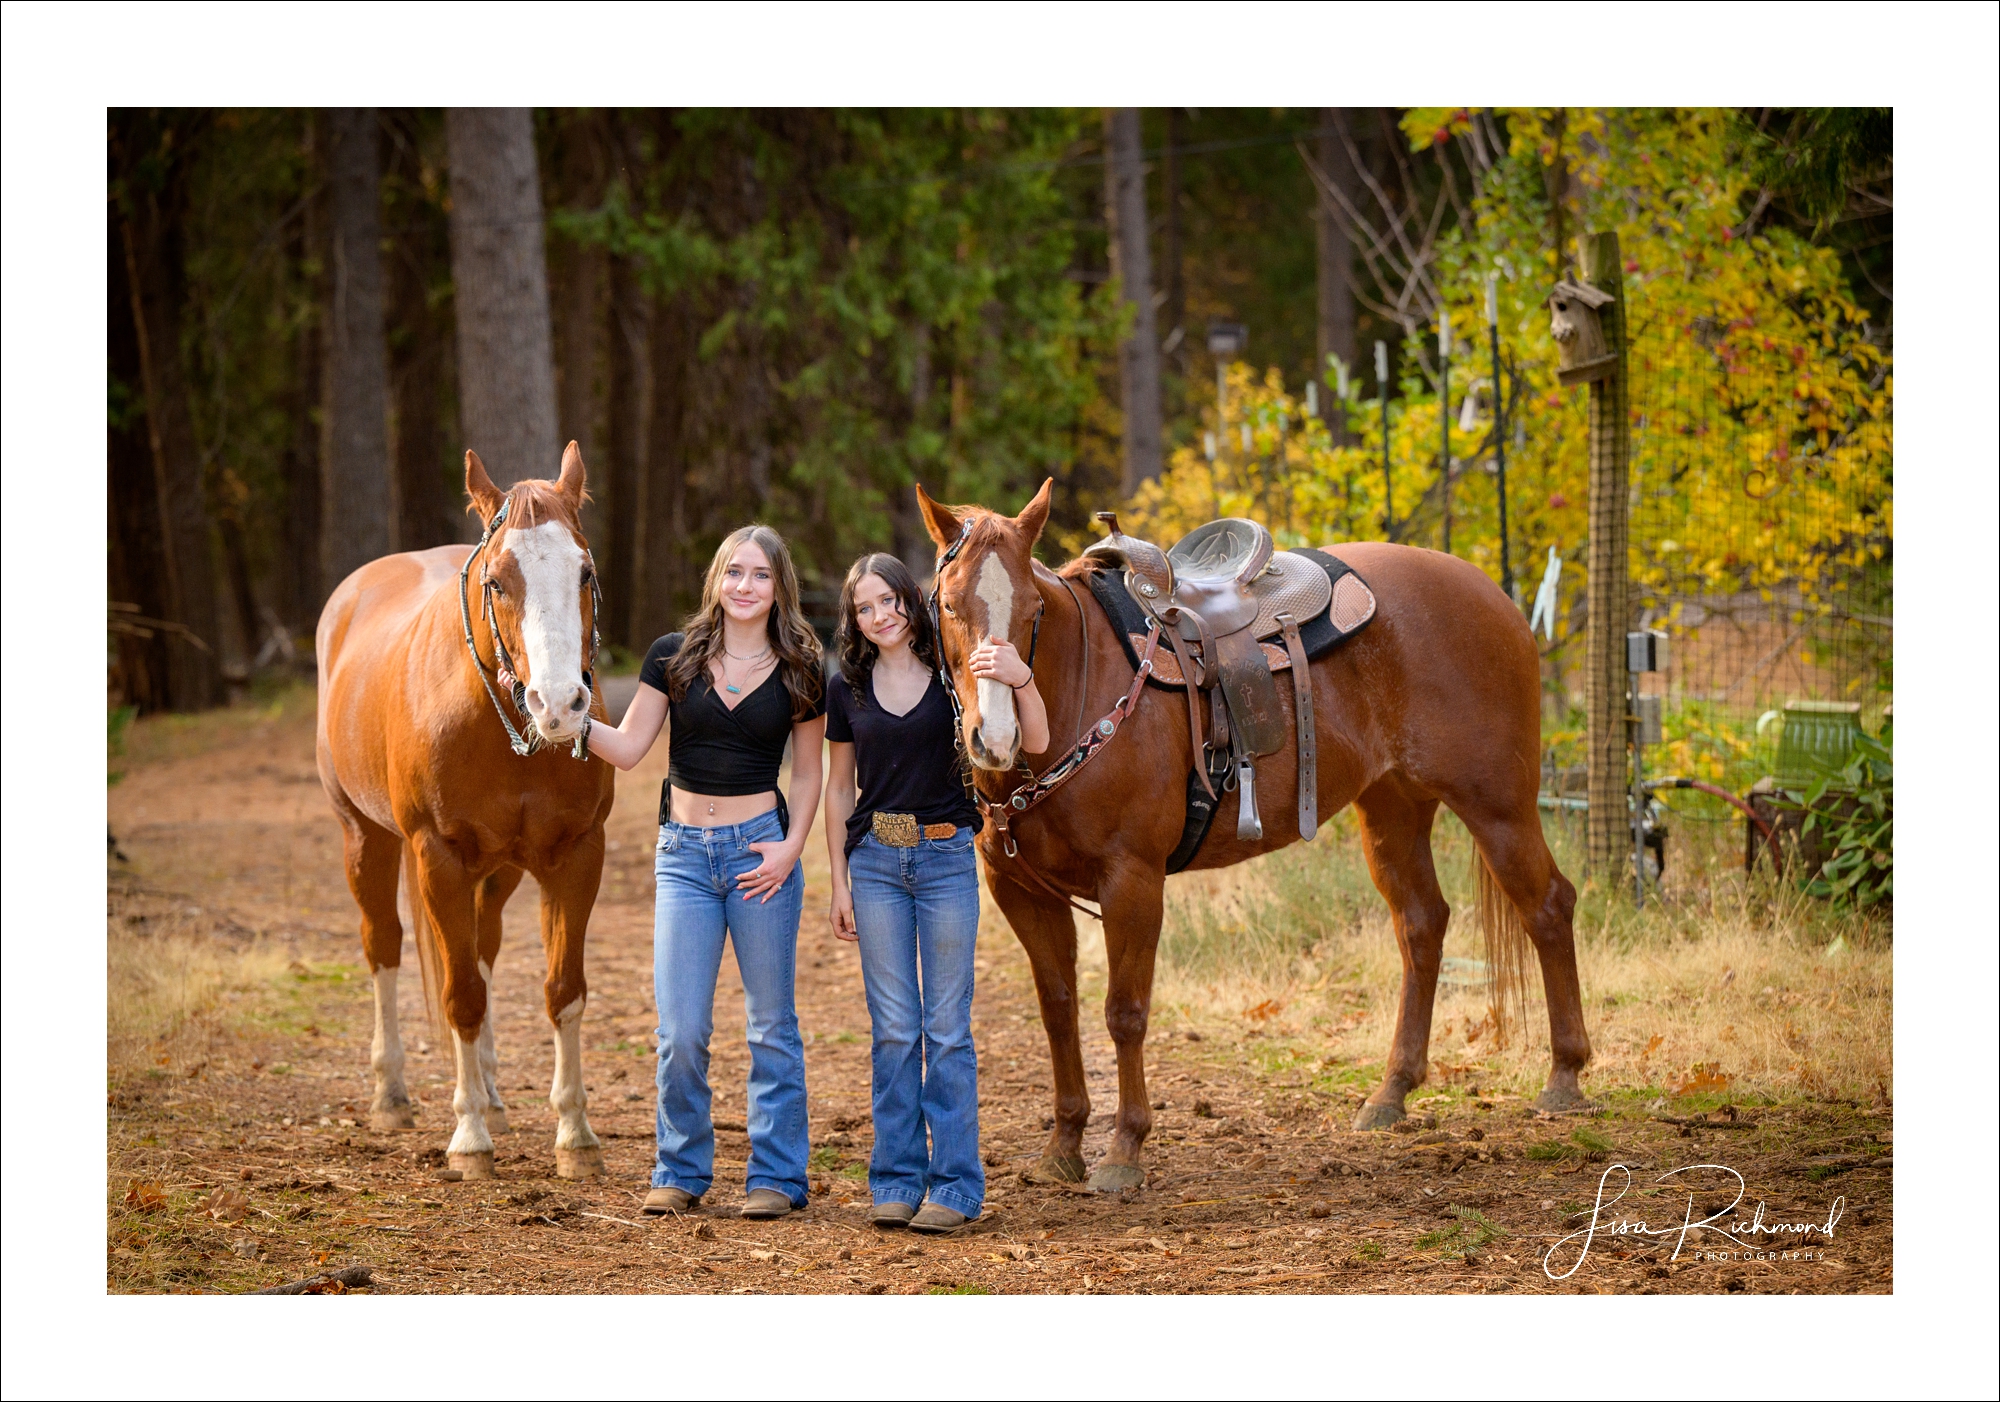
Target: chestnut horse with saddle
point(431, 772)
point(1208, 705)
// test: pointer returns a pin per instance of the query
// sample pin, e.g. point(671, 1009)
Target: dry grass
point(1785, 997)
point(173, 978)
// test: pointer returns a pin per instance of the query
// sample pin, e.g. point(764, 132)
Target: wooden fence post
point(1610, 531)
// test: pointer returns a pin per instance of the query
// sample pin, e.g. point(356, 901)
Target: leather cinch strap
point(1302, 695)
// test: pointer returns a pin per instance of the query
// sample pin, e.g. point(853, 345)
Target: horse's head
point(986, 590)
point(536, 575)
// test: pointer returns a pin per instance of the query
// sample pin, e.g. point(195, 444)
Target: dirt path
point(239, 1156)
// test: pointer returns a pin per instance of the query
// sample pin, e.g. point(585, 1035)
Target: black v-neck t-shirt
point(712, 749)
point(902, 764)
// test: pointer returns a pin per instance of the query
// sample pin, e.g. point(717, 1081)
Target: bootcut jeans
point(916, 910)
point(696, 904)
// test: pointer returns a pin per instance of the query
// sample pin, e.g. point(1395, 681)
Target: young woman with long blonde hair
point(742, 679)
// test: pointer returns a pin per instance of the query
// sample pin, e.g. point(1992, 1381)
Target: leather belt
point(903, 830)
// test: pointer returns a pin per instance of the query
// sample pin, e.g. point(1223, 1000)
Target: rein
point(532, 741)
point(1088, 743)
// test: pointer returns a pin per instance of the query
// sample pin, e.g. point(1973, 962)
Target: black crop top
point(712, 749)
point(902, 764)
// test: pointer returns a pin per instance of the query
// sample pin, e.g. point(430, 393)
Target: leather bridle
point(1086, 747)
point(532, 741)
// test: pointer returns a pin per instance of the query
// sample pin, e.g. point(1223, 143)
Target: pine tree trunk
point(577, 279)
point(663, 515)
point(419, 259)
point(1131, 265)
point(300, 574)
point(907, 536)
point(1336, 262)
point(152, 160)
point(136, 567)
point(1173, 274)
point(506, 366)
point(356, 512)
point(628, 374)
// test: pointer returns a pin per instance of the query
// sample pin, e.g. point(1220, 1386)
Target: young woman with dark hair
point(731, 690)
point(900, 824)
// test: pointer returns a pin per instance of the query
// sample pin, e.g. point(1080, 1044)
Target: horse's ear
point(941, 521)
point(1035, 514)
point(570, 483)
point(486, 497)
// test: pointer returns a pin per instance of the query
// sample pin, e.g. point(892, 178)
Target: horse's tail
point(429, 967)
point(1507, 944)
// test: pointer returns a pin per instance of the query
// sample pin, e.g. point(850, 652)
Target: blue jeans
point(696, 904)
point(916, 910)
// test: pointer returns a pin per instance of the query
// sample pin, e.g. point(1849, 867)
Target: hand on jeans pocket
point(770, 874)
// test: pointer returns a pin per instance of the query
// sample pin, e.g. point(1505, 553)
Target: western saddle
point(1224, 591)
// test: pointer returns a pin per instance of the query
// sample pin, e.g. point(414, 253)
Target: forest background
point(792, 315)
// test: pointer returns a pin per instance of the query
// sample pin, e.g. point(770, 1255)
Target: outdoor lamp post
point(1226, 341)
point(1382, 384)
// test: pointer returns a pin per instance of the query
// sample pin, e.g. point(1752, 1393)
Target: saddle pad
point(1351, 606)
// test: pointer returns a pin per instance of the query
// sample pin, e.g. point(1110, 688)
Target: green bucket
point(1818, 739)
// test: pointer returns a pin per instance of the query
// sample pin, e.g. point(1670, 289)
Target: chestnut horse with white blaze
point(425, 776)
point(1436, 701)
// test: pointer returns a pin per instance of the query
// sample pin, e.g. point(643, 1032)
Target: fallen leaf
point(1704, 1077)
point(1265, 1011)
point(143, 1196)
point(1652, 1046)
point(226, 1205)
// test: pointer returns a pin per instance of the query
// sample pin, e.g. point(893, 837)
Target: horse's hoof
point(580, 1163)
point(1117, 1177)
point(395, 1117)
point(1058, 1168)
point(472, 1165)
point(1375, 1116)
point(1555, 1100)
point(496, 1119)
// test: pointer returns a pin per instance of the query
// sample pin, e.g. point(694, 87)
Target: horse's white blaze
point(385, 1054)
point(551, 567)
point(998, 728)
point(468, 1101)
point(566, 1095)
point(489, 1054)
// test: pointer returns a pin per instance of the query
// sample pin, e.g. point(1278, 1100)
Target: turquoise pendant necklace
point(729, 686)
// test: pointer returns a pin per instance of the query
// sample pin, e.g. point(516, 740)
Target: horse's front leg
point(1048, 935)
point(489, 903)
point(1132, 899)
point(569, 891)
point(446, 889)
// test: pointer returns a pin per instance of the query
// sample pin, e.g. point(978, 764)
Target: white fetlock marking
point(468, 1101)
point(566, 1095)
point(489, 1055)
point(385, 1054)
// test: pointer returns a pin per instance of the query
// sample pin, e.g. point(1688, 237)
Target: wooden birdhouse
point(1582, 354)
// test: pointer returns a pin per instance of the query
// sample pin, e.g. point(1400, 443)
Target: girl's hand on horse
point(997, 660)
point(763, 883)
point(842, 916)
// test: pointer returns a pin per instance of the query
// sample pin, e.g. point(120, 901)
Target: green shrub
point(1853, 808)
